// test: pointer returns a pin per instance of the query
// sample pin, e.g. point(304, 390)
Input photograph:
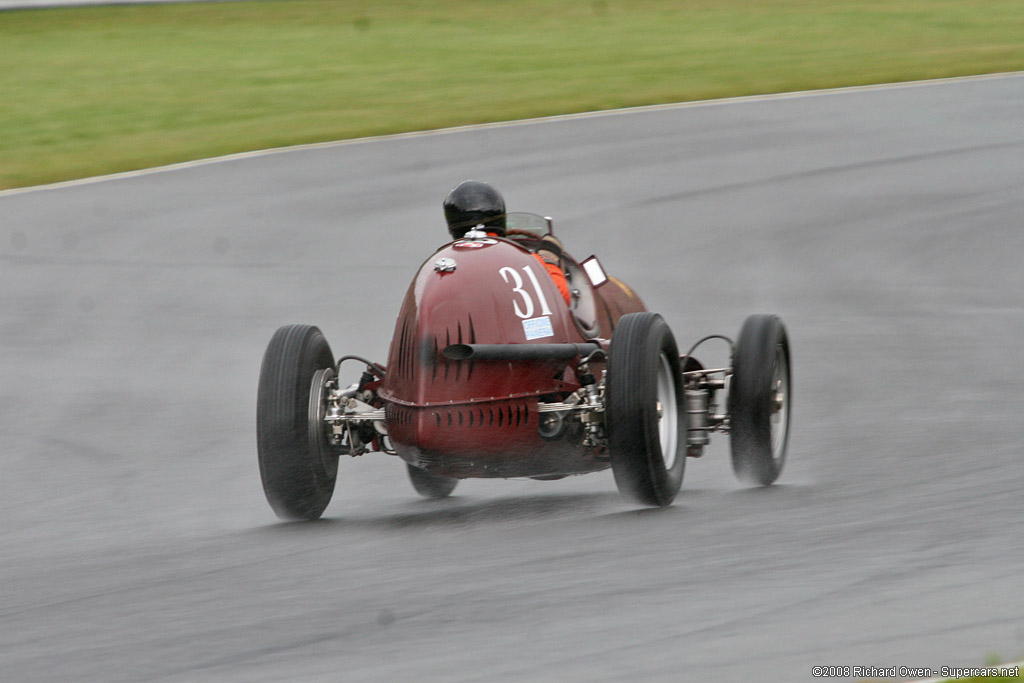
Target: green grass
point(86, 91)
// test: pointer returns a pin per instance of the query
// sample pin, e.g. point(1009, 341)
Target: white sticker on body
point(538, 328)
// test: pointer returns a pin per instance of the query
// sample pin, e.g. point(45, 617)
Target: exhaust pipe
point(519, 351)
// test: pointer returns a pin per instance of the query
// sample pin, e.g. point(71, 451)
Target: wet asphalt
point(884, 226)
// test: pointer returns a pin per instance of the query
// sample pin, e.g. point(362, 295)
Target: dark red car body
point(479, 418)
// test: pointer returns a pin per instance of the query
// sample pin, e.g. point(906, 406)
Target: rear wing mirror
point(592, 267)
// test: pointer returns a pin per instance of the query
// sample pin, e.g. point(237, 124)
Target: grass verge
point(93, 90)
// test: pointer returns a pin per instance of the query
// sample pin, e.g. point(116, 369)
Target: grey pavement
point(884, 226)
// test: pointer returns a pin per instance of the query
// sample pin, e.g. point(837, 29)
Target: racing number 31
point(511, 276)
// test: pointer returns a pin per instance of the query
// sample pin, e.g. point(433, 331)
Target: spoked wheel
point(759, 400)
point(644, 410)
point(430, 485)
point(297, 464)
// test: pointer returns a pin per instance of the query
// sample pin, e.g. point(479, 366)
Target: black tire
point(297, 466)
point(430, 485)
point(760, 395)
point(648, 451)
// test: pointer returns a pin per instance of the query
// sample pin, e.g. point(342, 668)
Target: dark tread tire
point(761, 366)
point(430, 485)
point(297, 482)
point(642, 348)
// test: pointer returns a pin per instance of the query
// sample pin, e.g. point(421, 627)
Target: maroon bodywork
point(479, 418)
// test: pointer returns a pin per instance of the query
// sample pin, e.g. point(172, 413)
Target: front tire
point(430, 485)
point(644, 410)
point(297, 466)
point(759, 400)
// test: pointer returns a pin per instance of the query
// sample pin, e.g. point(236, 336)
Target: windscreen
point(528, 222)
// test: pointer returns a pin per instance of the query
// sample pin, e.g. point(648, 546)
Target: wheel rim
point(318, 443)
point(668, 413)
point(779, 421)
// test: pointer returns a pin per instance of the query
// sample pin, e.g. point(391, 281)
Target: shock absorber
point(592, 397)
point(697, 400)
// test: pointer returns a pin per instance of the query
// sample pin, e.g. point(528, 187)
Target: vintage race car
point(491, 374)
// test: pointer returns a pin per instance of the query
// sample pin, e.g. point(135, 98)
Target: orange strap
point(559, 278)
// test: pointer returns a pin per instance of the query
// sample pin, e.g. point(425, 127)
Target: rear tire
point(297, 466)
point(645, 413)
point(759, 400)
point(430, 485)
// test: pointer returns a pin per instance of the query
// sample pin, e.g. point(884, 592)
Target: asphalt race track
point(884, 225)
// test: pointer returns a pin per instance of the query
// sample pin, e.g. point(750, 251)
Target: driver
point(473, 202)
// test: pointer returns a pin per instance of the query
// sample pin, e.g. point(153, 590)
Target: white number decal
point(536, 287)
point(517, 288)
point(526, 311)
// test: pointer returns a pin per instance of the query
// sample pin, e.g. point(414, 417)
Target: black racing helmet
point(472, 203)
